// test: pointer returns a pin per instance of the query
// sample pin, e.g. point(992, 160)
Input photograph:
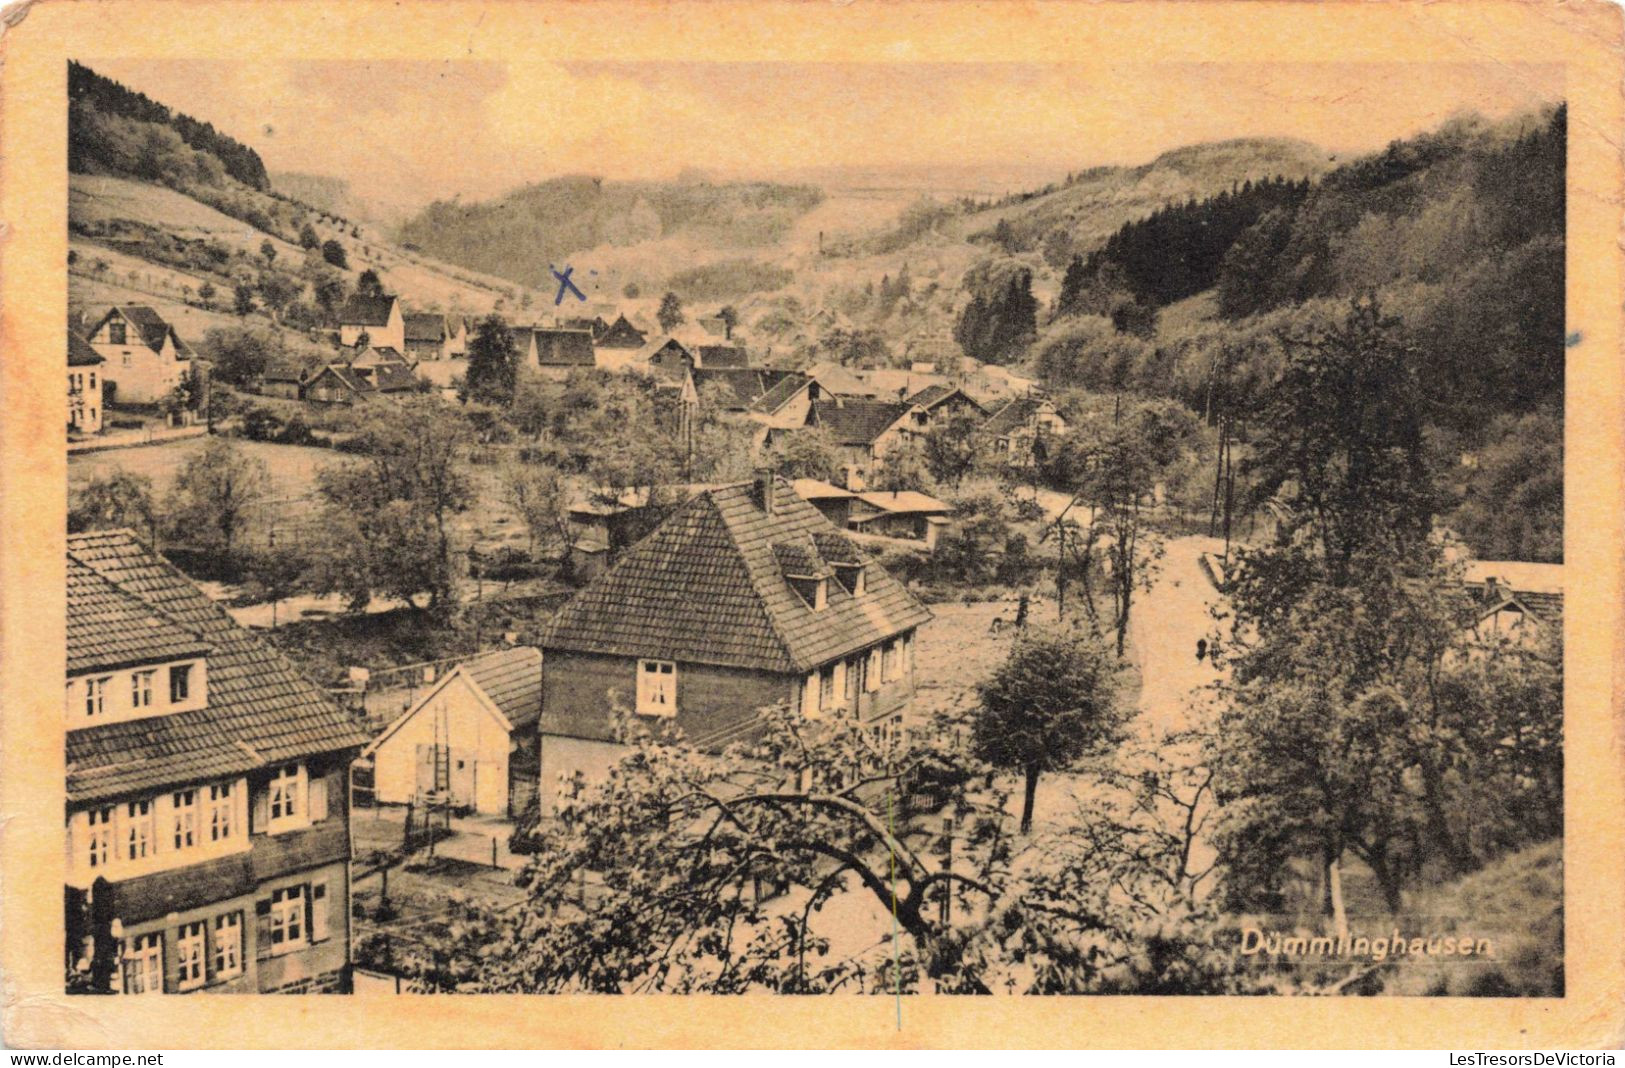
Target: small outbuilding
point(470, 740)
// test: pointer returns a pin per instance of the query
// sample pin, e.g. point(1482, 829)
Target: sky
point(408, 131)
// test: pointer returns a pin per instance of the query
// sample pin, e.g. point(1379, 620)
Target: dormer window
point(811, 590)
point(115, 332)
point(850, 576)
point(180, 683)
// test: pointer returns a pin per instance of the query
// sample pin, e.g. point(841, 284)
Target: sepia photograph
point(556, 525)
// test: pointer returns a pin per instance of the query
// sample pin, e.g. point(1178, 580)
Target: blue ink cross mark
point(566, 284)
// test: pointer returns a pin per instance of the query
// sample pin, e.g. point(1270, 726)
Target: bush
point(261, 424)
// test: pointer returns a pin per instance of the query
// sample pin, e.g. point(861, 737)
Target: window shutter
point(169, 957)
point(318, 799)
point(259, 812)
point(317, 904)
point(262, 928)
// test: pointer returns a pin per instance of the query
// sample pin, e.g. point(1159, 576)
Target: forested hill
point(117, 130)
point(519, 235)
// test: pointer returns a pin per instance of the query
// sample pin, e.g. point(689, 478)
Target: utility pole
point(271, 542)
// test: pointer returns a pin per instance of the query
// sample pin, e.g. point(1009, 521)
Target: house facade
point(207, 792)
point(1018, 431)
point(84, 386)
point(469, 741)
point(379, 318)
point(145, 358)
point(744, 598)
point(427, 336)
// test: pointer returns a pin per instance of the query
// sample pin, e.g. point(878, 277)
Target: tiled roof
point(707, 586)
point(154, 329)
point(512, 679)
point(780, 395)
point(816, 489)
point(425, 326)
point(393, 377)
point(723, 356)
point(1011, 417)
point(109, 628)
point(747, 384)
point(261, 711)
point(931, 396)
point(855, 422)
point(366, 311)
point(564, 348)
point(622, 335)
point(904, 501)
point(80, 352)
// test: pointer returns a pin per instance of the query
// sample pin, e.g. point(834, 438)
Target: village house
point(84, 386)
point(865, 430)
point(621, 334)
point(1515, 600)
point(832, 502)
point(207, 792)
point(145, 358)
point(899, 514)
point(667, 356)
point(469, 741)
point(1017, 431)
point(379, 318)
point(281, 379)
point(745, 597)
point(427, 336)
point(942, 401)
point(346, 384)
point(557, 352)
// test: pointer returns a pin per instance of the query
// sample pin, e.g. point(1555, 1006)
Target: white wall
point(467, 727)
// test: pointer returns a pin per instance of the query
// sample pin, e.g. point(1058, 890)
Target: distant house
point(786, 405)
point(941, 401)
point(668, 356)
point(283, 380)
point(346, 384)
point(379, 318)
point(84, 386)
point(722, 356)
point(594, 325)
point(745, 597)
point(470, 740)
point(145, 358)
point(379, 356)
point(1018, 432)
point(865, 430)
point(899, 514)
point(736, 389)
point(1515, 600)
point(621, 334)
point(207, 801)
point(558, 352)
point(427, 336)
point(832, 502)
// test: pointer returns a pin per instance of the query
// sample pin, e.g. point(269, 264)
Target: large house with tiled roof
point(145, 358)
point(469, 741)
point(207, 792)
point(744, 598)
point(378, 317)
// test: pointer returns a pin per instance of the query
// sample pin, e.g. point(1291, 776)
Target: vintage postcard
point(1020, 524)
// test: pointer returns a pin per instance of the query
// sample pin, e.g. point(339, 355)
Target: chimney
point(761, 489)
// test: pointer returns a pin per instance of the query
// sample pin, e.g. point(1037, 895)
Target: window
point(287, 918)
point(96, 696)
point(141, 689)
point(810, 590)
point(222, 812)
point(657, 688)
point(115, 333)
point(826, 688)
point(228, 945)
point(871, 674)
point(93, 384)
point(144, 964)
point(180, 683)
point(286, 787)
point(888, 661)
point(851, 577)
point(100, 844)
point(318, 912)
point(138, 830)
point(189, 955)
point(183, 805)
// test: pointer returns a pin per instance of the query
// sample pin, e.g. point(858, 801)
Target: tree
point(950, 447)
point(808, 452)
point(492, 363)
point(330, 290)
point(387, 523)
point(243, 298)
point(240, 354)
point(369, 284)
point(730, 316)
point(308, 238)
point(205, 292)
point(216, 495)
point(901, 468)
point(278, 290)
point(670, 315)
point(118, 498)
point(334, 254)
point(268, 250)
point(1002, 317)
point(539, 495)
point(1049, 703)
